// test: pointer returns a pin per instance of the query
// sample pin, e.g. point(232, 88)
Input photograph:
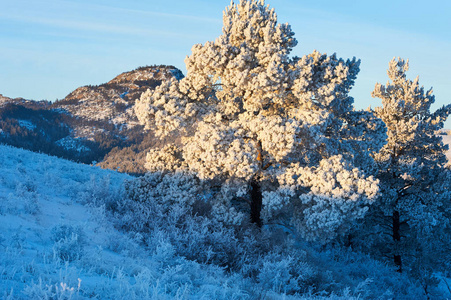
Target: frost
point(248, 111)
point(411, 216)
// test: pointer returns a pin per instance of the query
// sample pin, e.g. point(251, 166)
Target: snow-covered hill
point(68, 232)
point(57, 241)
point(47, 217)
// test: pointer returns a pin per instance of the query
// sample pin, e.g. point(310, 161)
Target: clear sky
point(50, 47)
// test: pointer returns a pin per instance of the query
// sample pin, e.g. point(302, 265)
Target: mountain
point(112, 102)
point(91, 124)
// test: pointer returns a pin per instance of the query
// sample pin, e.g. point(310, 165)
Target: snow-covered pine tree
point(282, 129)
point(415, 187)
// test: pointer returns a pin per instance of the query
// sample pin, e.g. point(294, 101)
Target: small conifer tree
point(415, 185)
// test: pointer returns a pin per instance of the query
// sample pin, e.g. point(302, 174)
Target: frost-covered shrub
point(206, 241)
point(339, 269)
point(18, 203)
point(125, 244)
point(286, 273)
point(155, 199)
point(183, 192)
point(166, 189)
point(175, 208)
point(98, 191)
point(69, 242)
point(9, 204)
point(23, 188)
point(271, 262)
point(40, 290)
point(194, 237)
point(25, 197)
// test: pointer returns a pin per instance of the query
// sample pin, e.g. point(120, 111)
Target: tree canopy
point(415, 191)
point(248, 112)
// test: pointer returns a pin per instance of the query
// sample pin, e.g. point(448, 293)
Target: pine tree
point(415, 186)
point(280, 128)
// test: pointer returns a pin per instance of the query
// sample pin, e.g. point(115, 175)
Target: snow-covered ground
point(46, 222)
point(56, 241)
point(59, 240)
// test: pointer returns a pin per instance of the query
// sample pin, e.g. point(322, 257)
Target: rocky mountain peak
point(113, 101)
point(143, 75)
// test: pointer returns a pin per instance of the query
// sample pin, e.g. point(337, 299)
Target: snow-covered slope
point(62, 236)
point(56, 241)
point(45, 220)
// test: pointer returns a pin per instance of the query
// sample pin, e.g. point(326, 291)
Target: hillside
point(91, 124)
point(59, 242)
point(68, 231)
point(44, 218)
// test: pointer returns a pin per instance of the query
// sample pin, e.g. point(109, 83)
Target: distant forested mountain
point(91, 124)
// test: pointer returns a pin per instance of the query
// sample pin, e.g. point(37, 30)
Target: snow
point(177, 74)
point(123, 94)
point(39, 194)
point(27, 124)
point(72, 144)
point(58, 243)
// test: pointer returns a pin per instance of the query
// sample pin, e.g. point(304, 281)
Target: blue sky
point(50, 47)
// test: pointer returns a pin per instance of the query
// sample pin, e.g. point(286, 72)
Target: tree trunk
point(256, 202)
point(396, 239)
point(256, 192)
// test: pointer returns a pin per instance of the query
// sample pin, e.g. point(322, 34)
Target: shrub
point(68, 241)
